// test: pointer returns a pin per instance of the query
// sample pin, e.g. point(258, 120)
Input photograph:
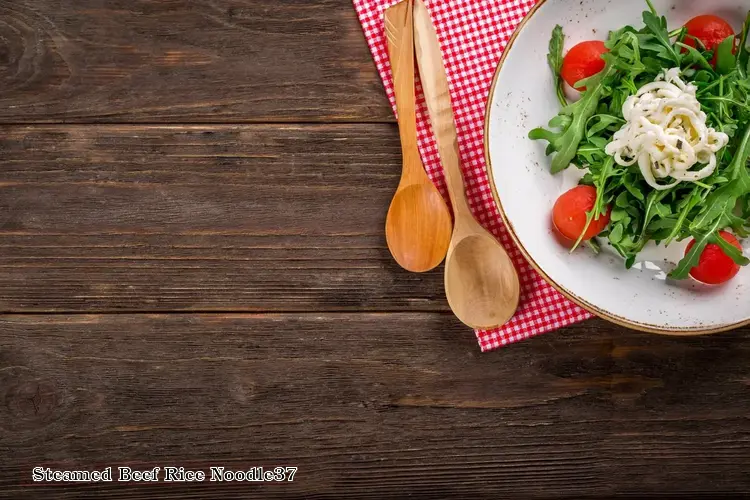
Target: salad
point(661, 133)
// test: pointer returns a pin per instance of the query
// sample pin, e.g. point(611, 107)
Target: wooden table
point(194, 273)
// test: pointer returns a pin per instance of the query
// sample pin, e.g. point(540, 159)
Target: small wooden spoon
point(480, 281)
point(418, 227)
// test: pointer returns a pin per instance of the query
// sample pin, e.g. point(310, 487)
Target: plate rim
point(591, 308)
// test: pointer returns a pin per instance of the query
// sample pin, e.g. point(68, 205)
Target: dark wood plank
point(371, 406)
point(184, 60)
point(239, 218)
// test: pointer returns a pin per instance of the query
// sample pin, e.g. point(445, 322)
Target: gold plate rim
point(566, 293)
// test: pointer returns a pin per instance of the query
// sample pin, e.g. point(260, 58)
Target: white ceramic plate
point(523, 97)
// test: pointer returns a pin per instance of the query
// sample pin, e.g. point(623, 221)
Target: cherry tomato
point(710, 30)
point(714, 266)
point(582, 61)
point(569, 213)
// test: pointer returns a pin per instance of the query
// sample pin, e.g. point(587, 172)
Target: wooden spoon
point(480, 281)
point(418, 227)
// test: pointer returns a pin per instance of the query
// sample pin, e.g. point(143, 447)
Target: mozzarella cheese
point(666, 133)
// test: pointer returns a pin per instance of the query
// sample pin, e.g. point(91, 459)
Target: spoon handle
point(399, 30)
point(437, 96)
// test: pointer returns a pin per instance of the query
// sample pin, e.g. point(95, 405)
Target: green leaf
point(648, 43)
point(695, 57)
point(738, 168)
point(692, 258)
point(658, 27)
point(652, 64)
point(662, 210)
point(726, 61)
point(633, 189)
point(599, 123)
point(555, 61)
point(660, 229)
point(599, 142)
point(743, 56)
point(654, 207)
point(622, 200)
point(721, 201)
point(620, 215)
point(541, 133)
point(560, 121)
point(599, 205)
point(738, 225)
point(566, 141)
point(731, 251)
point(690, 202)
point(660, 224)
point(724, 199)
point(616, 235)
point(703, 76)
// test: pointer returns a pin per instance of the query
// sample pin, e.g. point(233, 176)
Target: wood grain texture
point(238, 218)
point(371, 406)
point(186, 61)
point(276, 233)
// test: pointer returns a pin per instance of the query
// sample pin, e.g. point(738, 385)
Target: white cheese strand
point(666, 133)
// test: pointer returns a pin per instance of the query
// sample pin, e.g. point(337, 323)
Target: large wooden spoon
point(418, 227)
point(480, 281)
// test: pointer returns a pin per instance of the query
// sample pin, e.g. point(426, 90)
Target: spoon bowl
point(418, 227)
point(480, 282)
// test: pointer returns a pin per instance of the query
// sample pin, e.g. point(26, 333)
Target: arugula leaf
point(658, 27)
point(620, 215)
point(661, 224)
point(654, 207)
point(555, 60)
point(692, 258)
point(695, 57)
point(649, 42)
point(738, 168)
point(724, 199)
point(726, 61)
point(720, 202)
point(731, 251)
point(632, 189)
point(600, 207)
point(565, 142)
point(622, 200)
point(615, 236)
point(743, 56)
point(691, 202)
point(599, 123)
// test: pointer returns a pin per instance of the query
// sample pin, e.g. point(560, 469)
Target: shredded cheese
point(666, 133)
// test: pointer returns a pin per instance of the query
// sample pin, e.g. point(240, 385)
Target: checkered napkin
point(473, 34)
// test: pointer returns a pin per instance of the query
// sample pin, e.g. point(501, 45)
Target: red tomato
point(710, 30)
point(569, 213)
point(582, 61)
point(715, 267)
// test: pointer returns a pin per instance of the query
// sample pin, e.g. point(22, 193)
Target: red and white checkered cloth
point(473, 34)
